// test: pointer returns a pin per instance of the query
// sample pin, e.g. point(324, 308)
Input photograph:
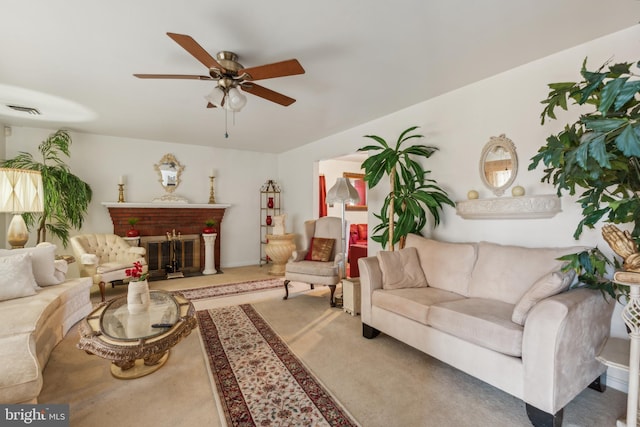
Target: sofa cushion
point(548, 285)
point(446, 265)
point(314, 268)
point(320, 249)
point(16, 277)
point(412, 303)
point(43, 259)
point(401, 269)
point(505, 272)
point(484, 322)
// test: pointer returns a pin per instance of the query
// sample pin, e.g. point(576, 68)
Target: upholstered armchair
point(317, 263)
point(105, 257)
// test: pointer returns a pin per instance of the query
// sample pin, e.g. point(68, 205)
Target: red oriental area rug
point(231, 289)
point(260, 382)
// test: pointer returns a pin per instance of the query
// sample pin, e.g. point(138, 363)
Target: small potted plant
point(132, 232)
point(210, 226)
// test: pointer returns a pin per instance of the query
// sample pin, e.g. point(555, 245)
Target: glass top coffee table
point(137, 344)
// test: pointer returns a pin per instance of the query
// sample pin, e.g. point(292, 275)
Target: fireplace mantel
point(156, 219)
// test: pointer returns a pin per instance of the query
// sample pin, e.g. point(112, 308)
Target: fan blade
point(277, 69)
point(267, 94)
point(198, 52)
point(173, 76)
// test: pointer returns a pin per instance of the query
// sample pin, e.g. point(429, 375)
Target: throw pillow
point(401, 269)
point(16, 277)
point(43, 259)
point(320, 249)
point(548, 285)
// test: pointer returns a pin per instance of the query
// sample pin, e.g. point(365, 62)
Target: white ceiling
point(74, 59)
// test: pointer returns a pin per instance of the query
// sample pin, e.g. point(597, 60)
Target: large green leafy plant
point(66, 197)
point(411, 193)
point(598, 154)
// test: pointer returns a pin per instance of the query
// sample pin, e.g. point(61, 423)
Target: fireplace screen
point(161, 255)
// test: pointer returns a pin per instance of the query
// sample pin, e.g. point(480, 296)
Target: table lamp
point(21, 191)
point(343, 192)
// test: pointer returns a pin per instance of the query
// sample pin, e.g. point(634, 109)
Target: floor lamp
point(21, 191)
point(343, 192)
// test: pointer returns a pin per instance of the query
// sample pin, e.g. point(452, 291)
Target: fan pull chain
point(226, 121)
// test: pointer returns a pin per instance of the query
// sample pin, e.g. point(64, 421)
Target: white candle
point(213, 172)
point(121, 179)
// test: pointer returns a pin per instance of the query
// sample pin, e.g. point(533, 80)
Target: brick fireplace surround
point(156, 219)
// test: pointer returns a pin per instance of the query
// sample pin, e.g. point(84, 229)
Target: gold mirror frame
point(498, 156)
point(169, 169)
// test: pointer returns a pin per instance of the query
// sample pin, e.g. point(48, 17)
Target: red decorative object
point(132, 232)
point(208, 230)
point(270, 203)
point(269, 220)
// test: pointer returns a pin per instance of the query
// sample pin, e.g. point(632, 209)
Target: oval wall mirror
point(169, 169)
point(498, 164)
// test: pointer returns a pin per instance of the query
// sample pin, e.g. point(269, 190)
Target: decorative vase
point(132, 232)
point(270, 203)
point(269, 220)
point(208, 230)
point(138, 296)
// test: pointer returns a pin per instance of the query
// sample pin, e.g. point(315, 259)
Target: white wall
point(100, 160)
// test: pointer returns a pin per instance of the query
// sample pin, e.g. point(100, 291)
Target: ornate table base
point(128, 370)
point(279, 248)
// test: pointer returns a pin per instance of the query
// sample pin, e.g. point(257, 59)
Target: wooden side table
point(351, 296)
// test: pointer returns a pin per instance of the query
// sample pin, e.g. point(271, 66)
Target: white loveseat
point(38, 305)
point(500, 313)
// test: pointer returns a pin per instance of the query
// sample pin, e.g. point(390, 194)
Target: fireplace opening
point(161, 255)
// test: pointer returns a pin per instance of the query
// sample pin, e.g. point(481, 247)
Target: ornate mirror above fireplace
point(498, 164)
point(169, 170)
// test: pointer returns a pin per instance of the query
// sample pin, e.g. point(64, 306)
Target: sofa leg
point(600, 383)
point(102, 286)
point(286, 289)
point(369, 332)
point(539, 418)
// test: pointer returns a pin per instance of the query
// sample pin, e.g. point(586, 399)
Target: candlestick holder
point(212, 197)
point(120, 193)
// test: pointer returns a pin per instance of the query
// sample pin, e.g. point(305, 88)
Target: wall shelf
point(522, 207)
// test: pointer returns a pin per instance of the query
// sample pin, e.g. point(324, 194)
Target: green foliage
point(133, 221)
point(591, 268)
point(412, 193)
point(66, 197)
point(599, 153)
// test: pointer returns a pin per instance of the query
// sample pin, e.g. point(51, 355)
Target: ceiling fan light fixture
point(216, 97)
point(236, 100)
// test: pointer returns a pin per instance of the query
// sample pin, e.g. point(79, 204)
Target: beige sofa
point(35, 317)
point(500, 313)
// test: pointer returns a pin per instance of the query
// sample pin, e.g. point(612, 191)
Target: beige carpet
point(381, 382)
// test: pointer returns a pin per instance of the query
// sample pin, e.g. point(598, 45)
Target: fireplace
point(156, 219)
point(161, 253)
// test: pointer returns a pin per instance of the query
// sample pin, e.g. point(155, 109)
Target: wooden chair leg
point(102, 285)
point(286, 289)
point(332, 301)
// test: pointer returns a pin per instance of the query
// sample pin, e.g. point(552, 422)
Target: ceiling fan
point(231, 75)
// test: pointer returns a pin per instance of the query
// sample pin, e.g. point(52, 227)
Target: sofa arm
point(562, 336)
point(370, 280)
point(89, 259)
point(137, 251)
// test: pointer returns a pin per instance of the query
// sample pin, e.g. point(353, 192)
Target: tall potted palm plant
point(411, 193)
point(66, 197)
point(599, 154)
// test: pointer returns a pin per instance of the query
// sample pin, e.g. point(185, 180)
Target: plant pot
point(132, 232)
point(138, 297)
point(208, 230)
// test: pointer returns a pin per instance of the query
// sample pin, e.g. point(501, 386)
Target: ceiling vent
point(28, 110)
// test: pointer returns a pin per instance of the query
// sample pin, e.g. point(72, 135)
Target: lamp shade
point(21, 191)
point(236, 100)
point(342, 192)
